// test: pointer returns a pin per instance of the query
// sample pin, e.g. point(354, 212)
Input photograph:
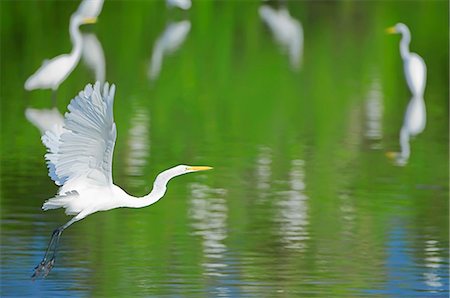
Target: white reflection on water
point(374, 114)
point(138, 145)
point(208, 212)
point(432, 262)
point(287, 31)
point(93, 55)
point(170, 40)
point(413, 124)
point(292, 210)
point(263, 171)
point(44, 119)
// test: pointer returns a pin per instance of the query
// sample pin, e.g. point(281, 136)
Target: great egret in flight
point(413, 65)
point(79, 160)
point(53, 72)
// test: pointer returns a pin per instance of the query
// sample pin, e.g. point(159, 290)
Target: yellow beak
point(391, 154)
point(199, 168)
point(89, 20)
point(391, 30)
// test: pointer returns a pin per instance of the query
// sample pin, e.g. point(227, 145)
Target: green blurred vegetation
point(226, 93)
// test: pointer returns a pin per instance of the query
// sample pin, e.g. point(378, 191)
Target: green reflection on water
point(228, 98)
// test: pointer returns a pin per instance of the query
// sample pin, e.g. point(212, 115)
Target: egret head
point(165, 176)
point(184, 169)
point(398, 28)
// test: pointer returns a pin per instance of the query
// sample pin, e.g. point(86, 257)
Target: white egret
point(287, 31)
point(53, 72)
point(170, 40)
point(79, 160)
point(413, 65)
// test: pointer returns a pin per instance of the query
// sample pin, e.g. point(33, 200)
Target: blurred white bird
point(413, 65)
point(93, 56)
point(170, 40)
point(45, 119)
point(79, 160)
point(287, 31)
point(415, 70)
point(53, 72)
point(183, 4)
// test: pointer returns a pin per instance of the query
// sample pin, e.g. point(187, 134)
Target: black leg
point(46, 264)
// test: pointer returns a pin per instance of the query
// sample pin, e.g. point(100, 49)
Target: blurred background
point(298, 123)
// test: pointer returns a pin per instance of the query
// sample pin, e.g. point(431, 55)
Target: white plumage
point(80, 158)
point(414, 67)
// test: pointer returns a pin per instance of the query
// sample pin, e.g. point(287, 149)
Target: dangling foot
point(38, 269)
point(49, 267)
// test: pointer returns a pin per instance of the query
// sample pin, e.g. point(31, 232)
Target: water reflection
point(374, 114)
point(433, 263)
point(44, 119)
point(413, 124)
point(170, 40)
point(138, 145)
point(287, 31)
point(93, 56)
point(292, 209)
point(183, 4)
point(209, 213)
point(263, 171)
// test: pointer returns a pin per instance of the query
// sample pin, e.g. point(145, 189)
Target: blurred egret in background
point(287, 31)
point(183, 4)
point(44, 119)
point(171, 39)
point(53, 72)
point(413, 65)
point(415, 115)
point(79, 160)
point(93, 56)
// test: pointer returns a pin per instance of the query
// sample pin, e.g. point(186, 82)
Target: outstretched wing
point(83, 148)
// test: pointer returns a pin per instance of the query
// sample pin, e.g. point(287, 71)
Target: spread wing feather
point(84, 147)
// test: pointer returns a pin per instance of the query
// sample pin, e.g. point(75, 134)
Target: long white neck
point(404, 44)
point(158, 191)
point(76, 38)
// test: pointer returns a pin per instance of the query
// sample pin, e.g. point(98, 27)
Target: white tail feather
point(61, 201)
